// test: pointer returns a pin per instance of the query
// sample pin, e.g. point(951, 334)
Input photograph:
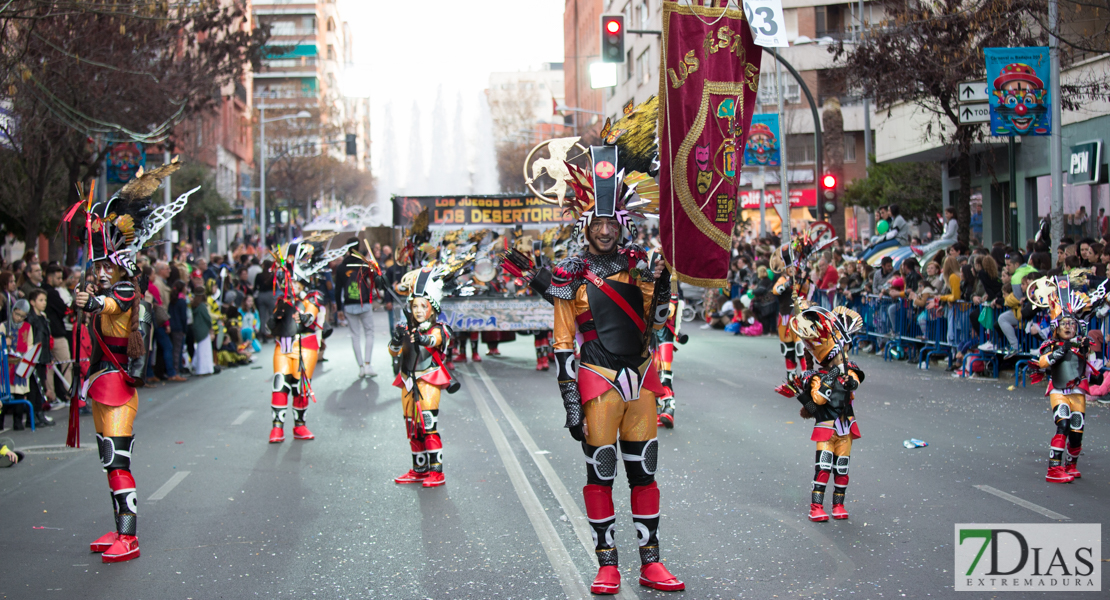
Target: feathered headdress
point(826, 332)
point(605, 193)
point(1062, 302)
point(117, 229)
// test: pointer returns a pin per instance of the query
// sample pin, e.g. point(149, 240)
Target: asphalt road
point(223, 514)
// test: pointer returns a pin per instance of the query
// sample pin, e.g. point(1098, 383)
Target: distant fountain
point(485, 161)
point(416, 167)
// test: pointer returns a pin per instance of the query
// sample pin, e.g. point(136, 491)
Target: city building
point(583, 105)
point(529, 99)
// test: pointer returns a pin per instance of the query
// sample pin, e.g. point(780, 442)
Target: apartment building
point(581, 48)
point(532, 98)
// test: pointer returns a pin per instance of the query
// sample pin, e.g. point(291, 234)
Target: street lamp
point(304, 114)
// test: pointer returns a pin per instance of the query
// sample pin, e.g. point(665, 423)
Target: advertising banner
point(497, 314)
point(798, 198)
point(124, 160)
point(762, 147)
point(1018, 87)
point(707, 89)
point(478, 212)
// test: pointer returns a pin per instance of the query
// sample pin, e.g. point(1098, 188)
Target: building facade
point(585, 106)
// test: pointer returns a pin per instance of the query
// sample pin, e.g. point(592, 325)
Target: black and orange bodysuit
point(1069, 377)
point(110, 391)
point(608, 302)
point(297, 326)
point(421, 379)
point(791, 347)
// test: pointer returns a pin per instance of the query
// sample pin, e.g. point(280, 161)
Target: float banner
point(710, 76)
point(762, 147)
point(497, 314)
point(1018, 87)
point(479, 212)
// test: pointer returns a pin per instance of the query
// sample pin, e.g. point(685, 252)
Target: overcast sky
point(407, 51)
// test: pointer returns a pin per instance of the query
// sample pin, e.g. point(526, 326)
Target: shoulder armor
point(567, 270)
point(124, 292)
point(854, 367)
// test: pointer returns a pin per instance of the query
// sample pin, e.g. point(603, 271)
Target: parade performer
point(121, 327)
point(610, 296)
point(1063, 359)
point(665, 339)
point(420, 343)
point(792, 349)
point(297, 324)
point(826, 393)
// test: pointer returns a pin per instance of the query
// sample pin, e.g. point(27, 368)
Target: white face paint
point(107, 275)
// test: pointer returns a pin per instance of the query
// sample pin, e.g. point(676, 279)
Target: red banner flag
point(710, 76)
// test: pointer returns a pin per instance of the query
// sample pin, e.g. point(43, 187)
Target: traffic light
point(612, 38)
point(352, 147)
point(829, 194)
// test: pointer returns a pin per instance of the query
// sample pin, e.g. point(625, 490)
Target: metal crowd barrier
point(921, 334)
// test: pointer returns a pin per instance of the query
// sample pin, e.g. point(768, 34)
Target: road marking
point(553, 546)
point(168, 486)
point(243, 417)
point(1023, 503)
point(732, 383)
point(566, 501)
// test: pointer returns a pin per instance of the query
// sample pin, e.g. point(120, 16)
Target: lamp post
point(304, 114)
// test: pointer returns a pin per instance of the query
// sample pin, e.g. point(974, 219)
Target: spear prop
point(73, 435)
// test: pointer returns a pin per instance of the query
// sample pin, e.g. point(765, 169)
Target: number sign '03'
point(767, 23)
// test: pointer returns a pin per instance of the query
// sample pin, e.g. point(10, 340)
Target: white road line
point(1023, 503)
point(243, 417)
point(731, 383)
point(553, 546)
point(566, 501)
point(168, 486)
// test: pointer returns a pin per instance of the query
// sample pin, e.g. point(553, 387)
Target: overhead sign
point(767, 23)
point(477, 212)
point(973, 91)
point(1019, 91)
point(1084, 163)
point(762, 147)
point(974, 113)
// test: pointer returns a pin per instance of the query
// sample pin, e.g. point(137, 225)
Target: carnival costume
point(298, 325)
point(665, 338)
point(826, 393)
point(121, 327)
point(792, 349)
point(1063, 359)
point(612, 301)
point(420, 343)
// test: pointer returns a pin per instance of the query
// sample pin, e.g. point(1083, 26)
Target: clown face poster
point(1018, 89)
point(124, 161)
point(762, 147)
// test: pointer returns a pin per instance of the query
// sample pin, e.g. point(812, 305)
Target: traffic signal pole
point(819, 159)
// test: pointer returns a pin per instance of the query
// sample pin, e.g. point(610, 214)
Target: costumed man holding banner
point(121, 327)
point(297, 324)
point(420, 343)
point(610, 296)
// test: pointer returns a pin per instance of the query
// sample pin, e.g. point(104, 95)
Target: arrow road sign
point(973, 91)
point(975, 113)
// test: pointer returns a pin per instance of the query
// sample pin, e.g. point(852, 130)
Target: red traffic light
point(613, 26)
point(828, 181)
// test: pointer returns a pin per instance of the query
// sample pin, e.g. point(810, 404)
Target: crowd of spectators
point(922, 301)
point(210, 314)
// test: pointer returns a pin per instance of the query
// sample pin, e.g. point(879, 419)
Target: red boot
point(607, 582)
point(125, 548)
point(817, 513)
point(104, 542)
point(1057, 474)
point(658, 420)
point(1072, 470)
point(493, 352)
point(476, 357)
point(839, 513)
point(434, 479)
point(656, 576)
point(277, 435)
point(411, 477)
point(1071, 462)
point(300, 432)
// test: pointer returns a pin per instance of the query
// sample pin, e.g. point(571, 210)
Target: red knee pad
point(599, 502)
point(822, 477)
point(1059, 441)
point(841, 480)
point(417, 445)
point(1074, 452)
point(279, 399)
point(300, 402)
point(121, 480)
point(665, 353)
point(432, 442)
point(645, 500)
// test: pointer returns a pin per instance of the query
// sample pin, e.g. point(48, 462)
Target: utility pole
point(1057, 141)
point(784, 170)
point(167, 231)
point(866, 106)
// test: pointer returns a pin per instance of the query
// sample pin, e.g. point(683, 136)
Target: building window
point(849, 147)
point(643, 15)
point(799, 148)
point(331, 52)
point(331, 24)
point(629, 66)
point(791, 91)
point(645, 66)
point(283, 28)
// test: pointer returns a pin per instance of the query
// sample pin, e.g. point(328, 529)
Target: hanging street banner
point(479, 212)
point(707, 89)
point(123, 161)
point(762, 147)
point(1018, 84)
